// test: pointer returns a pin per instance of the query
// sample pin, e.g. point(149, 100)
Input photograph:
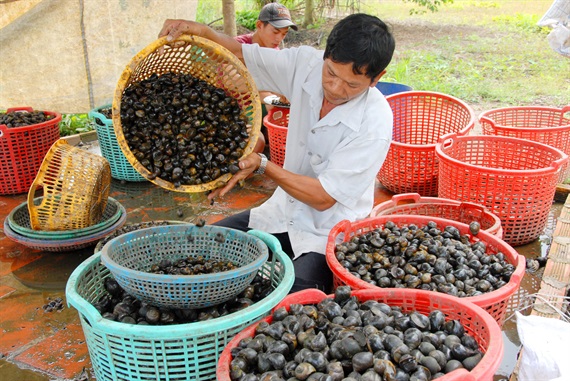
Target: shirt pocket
point(318, 163)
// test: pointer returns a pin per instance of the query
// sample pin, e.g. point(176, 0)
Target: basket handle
point(447, 140)
point(25, 108)
point(270, 240)
point(565, 109)
point(560, 162)
point(487, 120)
point(406, 197)
point(94, 114)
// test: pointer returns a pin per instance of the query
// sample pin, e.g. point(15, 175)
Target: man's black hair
point(363, 40)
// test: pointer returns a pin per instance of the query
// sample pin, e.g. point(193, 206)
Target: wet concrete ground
point(39, 346)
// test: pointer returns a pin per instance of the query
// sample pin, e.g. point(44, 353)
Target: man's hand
point(247, 166)
point(173, 29)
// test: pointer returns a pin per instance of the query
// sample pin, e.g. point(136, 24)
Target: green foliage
point(75, 124)
point(521, 22)
point(431, 5)
point(247, 18)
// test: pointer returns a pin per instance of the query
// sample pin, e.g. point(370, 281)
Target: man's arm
point(303, 188)
point(173, 29)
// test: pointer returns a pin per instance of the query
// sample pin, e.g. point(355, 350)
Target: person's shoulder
point(244, 38)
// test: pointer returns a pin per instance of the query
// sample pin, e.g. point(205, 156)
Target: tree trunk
point(228, 8)
point(309, 13)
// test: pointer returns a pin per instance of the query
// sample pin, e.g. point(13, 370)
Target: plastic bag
point(545, 348)
point(558, 18)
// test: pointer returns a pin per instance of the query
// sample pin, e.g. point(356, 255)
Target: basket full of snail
point(185, 112)
point(395, 334)
point(171, 343)
point(427, 253)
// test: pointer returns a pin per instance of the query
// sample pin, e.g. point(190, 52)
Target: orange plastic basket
point(420, 119)
point(476, 321)
point(546, 125)
point(514, 178)
point(277, 121)
point(494, 302)
point(465, 212)
point(75, 186)
point(22, 150)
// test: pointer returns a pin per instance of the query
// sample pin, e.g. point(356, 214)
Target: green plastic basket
point(121, 169)
point(180, 352)
point(19, 221)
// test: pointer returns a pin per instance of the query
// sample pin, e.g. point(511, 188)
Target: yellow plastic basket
point(75, 186)
point(205, 60)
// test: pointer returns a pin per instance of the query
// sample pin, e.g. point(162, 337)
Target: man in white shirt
point(340, 129)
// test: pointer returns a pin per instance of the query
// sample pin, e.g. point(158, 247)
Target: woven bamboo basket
point(205, 60)
point(75, 186)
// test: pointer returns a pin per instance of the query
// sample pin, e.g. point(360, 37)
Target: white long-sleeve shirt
point(344, 150)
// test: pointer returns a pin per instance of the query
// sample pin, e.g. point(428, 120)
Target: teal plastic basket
point(131, 255)
point(121, 351)
point(121, 169)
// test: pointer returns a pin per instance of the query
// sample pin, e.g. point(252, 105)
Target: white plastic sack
point(544, 355)
point(558, 18)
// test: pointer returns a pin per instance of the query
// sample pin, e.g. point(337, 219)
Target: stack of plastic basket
point(22, 150)
point(420, 119)
point(494, 302)
point(514, 178)
point(548, 125)
point(476, 321)
point(277, 121)
point(465, 212)
point(121, 169)
point(171, 352)
point(74, 210)
point(17, 227)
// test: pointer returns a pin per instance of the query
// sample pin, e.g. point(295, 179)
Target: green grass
point(75, 124)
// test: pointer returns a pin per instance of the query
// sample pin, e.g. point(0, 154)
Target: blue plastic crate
point(388, 88)
point(121, 351)
point(121, 169)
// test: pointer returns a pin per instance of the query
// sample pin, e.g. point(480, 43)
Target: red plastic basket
point(276, 121)
point(420, 119)
point(476, 321)
point(514, 178)
point(465, 212)
point(22, 150)
point(494, 302)
point(546, 125)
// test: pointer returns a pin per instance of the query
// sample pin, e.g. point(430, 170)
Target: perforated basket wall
point(131, 255)
point(546, 125)
point(277, 121)
point(179, 352)
point(476, 321)
point(22, 150)
point(121, 169)
point(204, 60)
point(75, 187)
point(465, 212)
point(514, 178)
point(420, 119)
point(494, 302)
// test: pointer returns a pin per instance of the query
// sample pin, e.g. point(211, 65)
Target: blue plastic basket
point(121, 351)
point(388, 88)
point(121, 169)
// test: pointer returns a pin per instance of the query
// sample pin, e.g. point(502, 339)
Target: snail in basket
point(21, 118)
point(118, 305)
point(426, 258)
point(182, 129)
point(342, 338)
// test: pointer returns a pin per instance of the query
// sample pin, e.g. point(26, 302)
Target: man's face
point(340, 84)
point(270, 36)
